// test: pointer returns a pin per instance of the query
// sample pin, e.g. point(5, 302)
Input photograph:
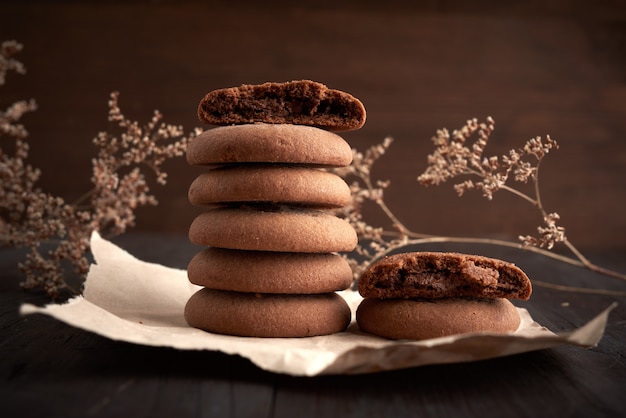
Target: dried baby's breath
point(458, 155)
point(56, 232)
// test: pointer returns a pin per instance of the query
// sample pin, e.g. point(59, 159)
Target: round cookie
point(260, 315)
point(302, 231)
point(269, 183)
point(268, 143)
point(418, 319)
point(269, 272)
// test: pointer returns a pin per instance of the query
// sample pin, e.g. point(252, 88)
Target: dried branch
point(458, 154)
point(36, 220)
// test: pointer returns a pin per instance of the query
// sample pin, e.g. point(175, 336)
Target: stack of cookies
point(270, 267)
point(421, 295)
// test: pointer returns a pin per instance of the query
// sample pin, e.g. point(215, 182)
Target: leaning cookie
point(300, 102)
point(287, 230)
point(260, 315)
point(270, 183)
point(267, 143)
point(423, 319)
point(269, 272)
point(433, 275)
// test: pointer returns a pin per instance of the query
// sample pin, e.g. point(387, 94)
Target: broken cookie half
point(422, 295)
point(432, 275)
point(299, 102)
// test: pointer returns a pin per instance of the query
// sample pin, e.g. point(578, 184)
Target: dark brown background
point(555, 67)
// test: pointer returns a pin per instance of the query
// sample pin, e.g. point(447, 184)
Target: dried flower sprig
point(33, 219)
point(7, 63)
point(115, 196)
point(453, 157)
point(457, 154)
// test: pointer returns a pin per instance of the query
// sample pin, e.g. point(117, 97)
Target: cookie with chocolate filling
point(299, 102)
point(434, 275)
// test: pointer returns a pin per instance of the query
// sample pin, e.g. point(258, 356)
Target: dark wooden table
point(51, 369)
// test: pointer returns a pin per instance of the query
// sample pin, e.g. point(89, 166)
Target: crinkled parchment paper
point(127, 299)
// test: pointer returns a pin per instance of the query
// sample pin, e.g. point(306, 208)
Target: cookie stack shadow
point(271, 265)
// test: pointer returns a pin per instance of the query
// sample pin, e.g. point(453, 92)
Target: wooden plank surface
point(50, 369)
